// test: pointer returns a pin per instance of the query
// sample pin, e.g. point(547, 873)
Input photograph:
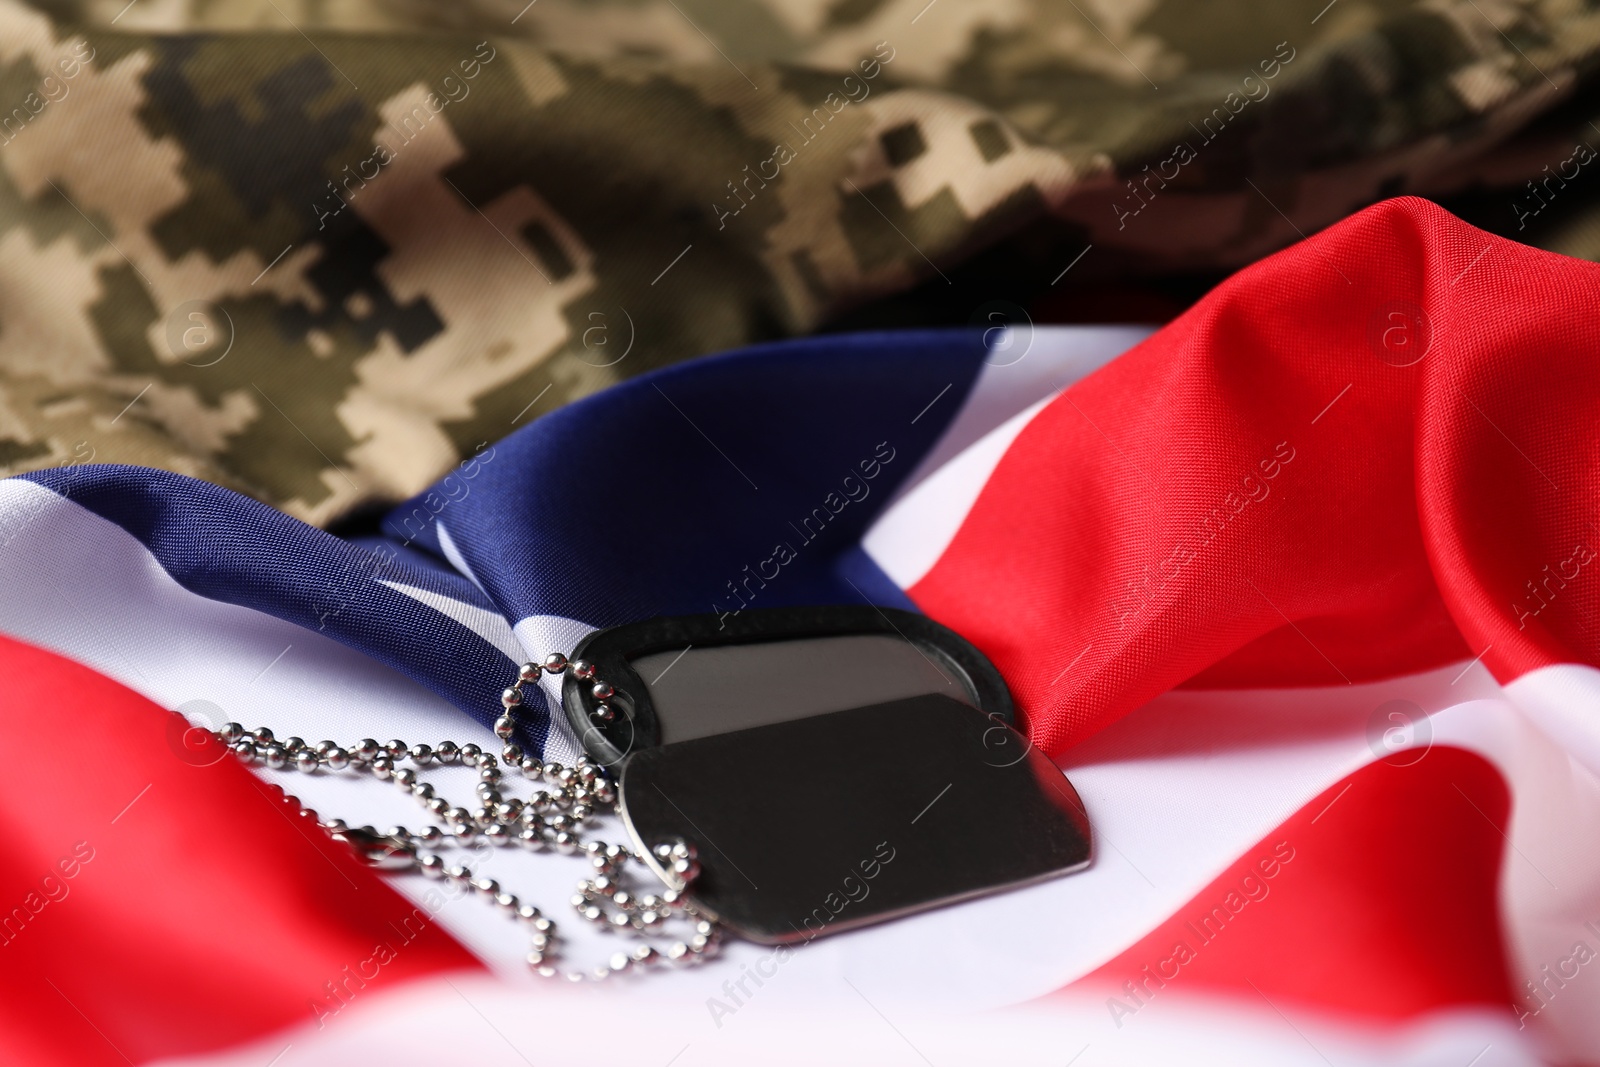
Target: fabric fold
point(1367, 455)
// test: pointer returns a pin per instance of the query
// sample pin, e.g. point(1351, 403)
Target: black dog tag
point(832, 766)
point(691, 676)
point(825, 823)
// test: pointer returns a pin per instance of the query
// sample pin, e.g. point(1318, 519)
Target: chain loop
point(550, 818)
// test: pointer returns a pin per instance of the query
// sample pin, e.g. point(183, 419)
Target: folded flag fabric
point(163, 907)
point(319, 253)
point(1296, 589)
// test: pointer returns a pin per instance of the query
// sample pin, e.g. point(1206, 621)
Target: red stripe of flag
point(1369, 455)
point(154, 904)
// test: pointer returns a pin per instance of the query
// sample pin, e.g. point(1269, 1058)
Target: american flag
point(1300, 590)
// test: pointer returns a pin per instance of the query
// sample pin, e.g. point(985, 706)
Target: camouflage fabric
point(318, 250)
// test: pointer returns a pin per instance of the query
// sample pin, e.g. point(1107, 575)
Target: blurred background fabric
point(320, 252)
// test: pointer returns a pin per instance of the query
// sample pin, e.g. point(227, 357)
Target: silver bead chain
point(551, 818)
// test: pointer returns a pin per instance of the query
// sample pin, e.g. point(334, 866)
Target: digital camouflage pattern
point(318, 250)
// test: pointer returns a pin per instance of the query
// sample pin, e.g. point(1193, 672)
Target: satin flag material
point(1339, 474)
point(1369, 455)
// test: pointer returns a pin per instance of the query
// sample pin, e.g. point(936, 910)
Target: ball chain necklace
point(551, 818)
point(725, 776)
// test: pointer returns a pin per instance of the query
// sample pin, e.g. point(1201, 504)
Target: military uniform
point(320, 251)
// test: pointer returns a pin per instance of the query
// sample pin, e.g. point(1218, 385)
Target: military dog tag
point(692, 676)
point(832, 766)
point(829, 822)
